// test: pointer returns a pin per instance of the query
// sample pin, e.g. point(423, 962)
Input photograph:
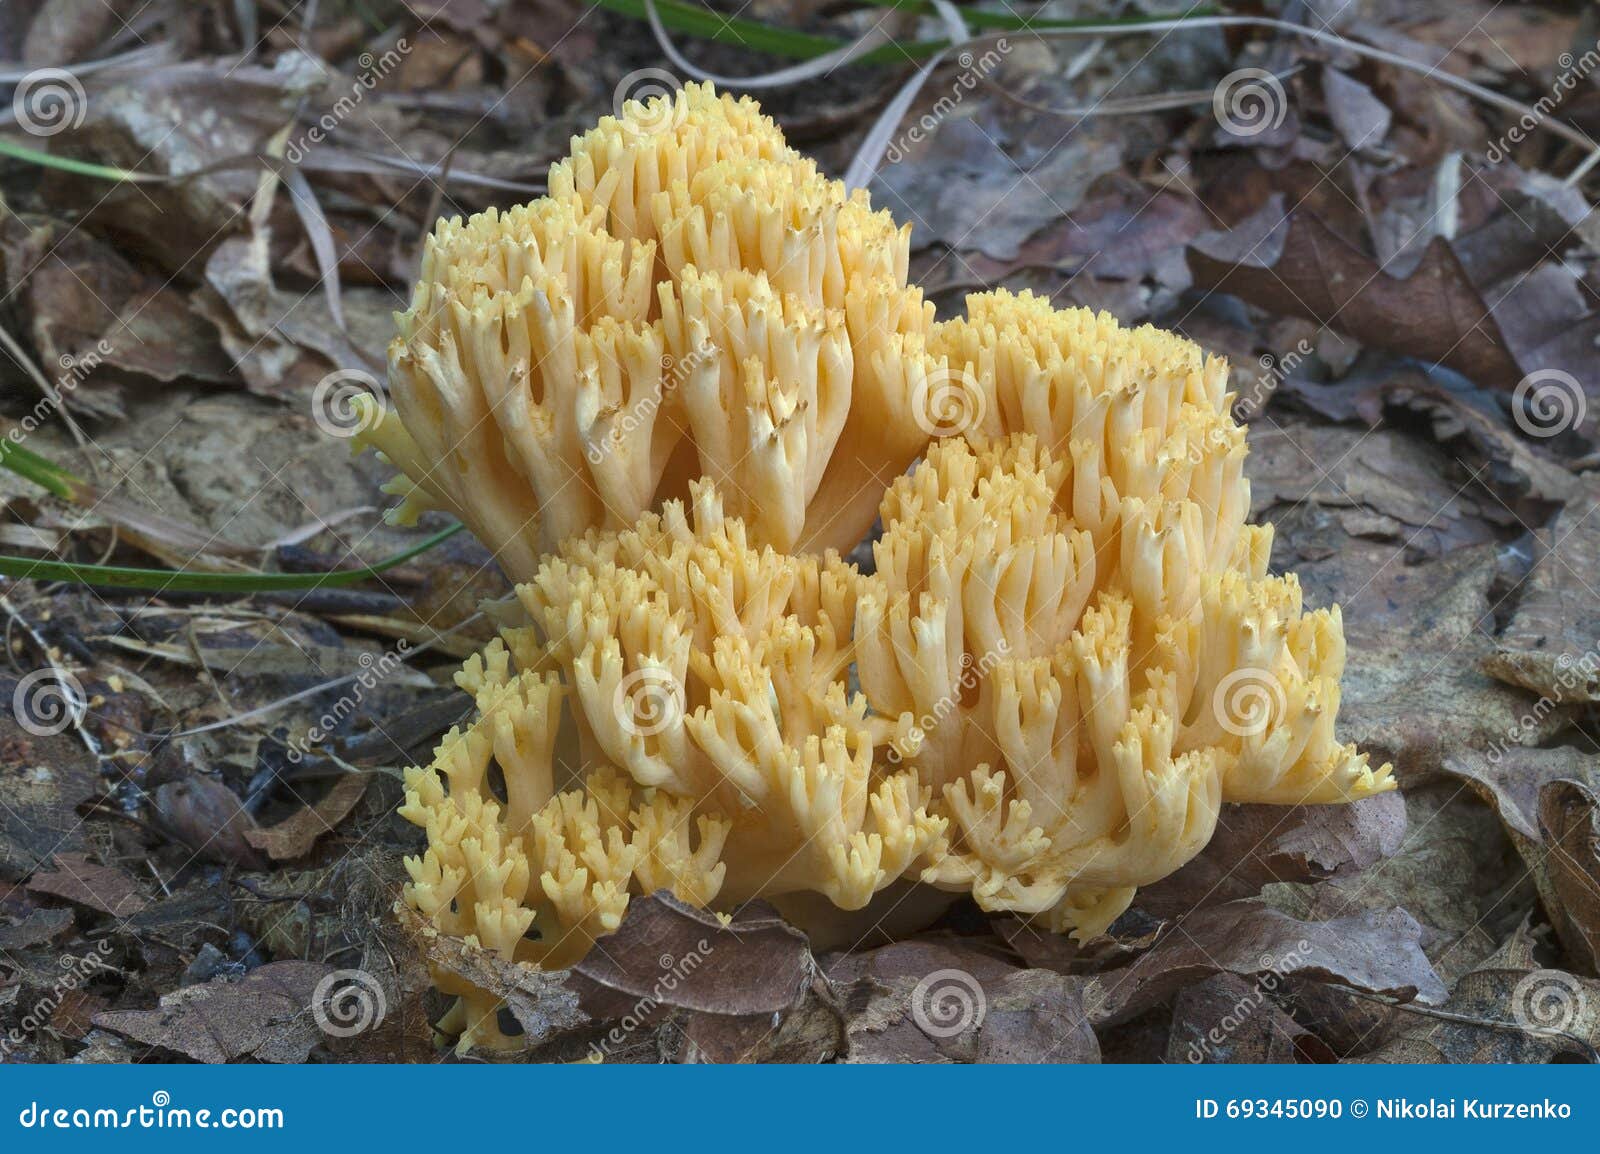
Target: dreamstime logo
point(347, 403)
point(374, 670)
point(47, 701)
point(648, 701)
point(674, 972)
point(48, 101)
point(973, 69)
point(348, 1002)
point(77, 972)
point(1249, 101)
point(1574, 71)
point(640, 417)
point(74, 371)
point(1272, 972)
point(1547, 403)
point(374, 69)
point(655, 90)
point(1253, 397)
point(972, 672)
point(1246, 700)
point(1547, 1001)
point(947, 402)
point(947, 1003)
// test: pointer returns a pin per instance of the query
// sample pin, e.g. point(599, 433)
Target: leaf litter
point(1385, 288)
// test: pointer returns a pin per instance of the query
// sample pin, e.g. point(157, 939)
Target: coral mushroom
point(1068, 652)
point(694, 299)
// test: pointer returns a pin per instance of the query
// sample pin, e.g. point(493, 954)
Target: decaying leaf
point(206, 816)
point(295, 835)
point(1569, 817)
point(85, 883)
point(1551, 645)
point(1376, 952)
point(1511, 779)
point(1455, 871)
point(266, 1015)
point(737, 984)
point(1226, 1019)
point(1289, 261)
point(964, 177)
point(1256, 845)
point(939, 1002)
point(43, 779)
point(674, 982)
point(1507, 1010)
point(36, 929)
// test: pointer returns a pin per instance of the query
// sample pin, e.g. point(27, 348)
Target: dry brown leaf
point(206, 816)
point(1256, 845)
point(1511, 777)
point(39, 927)
point(266, 1015)
point(85, 883)
point(1226, 1019)
point(295, 835)
point(1413, 693)
point(43, 779)
point(1569, 817)
point(1289, 261)
point(922, 1001)
point(1456, 873)
point(1501, 1015)
point(1377, 952)
point(1551, 646)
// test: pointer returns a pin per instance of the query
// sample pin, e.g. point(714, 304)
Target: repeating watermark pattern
point(1574, 70)
point(1273, 970)
point(648, 701)
point(1249, 101)
point(374, 70)
point(77, 971)
point(973, 671)
point(48, 101)
point(947, 1003)
point(334, 407)
point(74, 371)
point(674, 971)
point(48, 701)
point(374, 671)
point(947, 402)
point(1246, 700)
point(674, 372)
point(1570, 673)
point(973, 69)
point(652, 116)
point(348, 1002)
point(1275, 370)
point(1548, 402)
point(1548, 1001)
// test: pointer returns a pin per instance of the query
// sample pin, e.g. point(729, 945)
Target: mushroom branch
point(693, 299)
point(1066, 654)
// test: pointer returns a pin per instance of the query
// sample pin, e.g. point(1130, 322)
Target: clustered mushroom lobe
point(668, 395)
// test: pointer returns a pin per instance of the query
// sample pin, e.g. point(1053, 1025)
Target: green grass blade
point(700, 22)
point(977, 18)
point(693, 20)
point(49, 475)
point(163, 580)
point(67, 164)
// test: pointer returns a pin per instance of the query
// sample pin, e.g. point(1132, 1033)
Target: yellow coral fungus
point(693, 299)
point(1068, 652)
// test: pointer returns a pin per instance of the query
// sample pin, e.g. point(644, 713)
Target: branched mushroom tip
point(668, 395)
